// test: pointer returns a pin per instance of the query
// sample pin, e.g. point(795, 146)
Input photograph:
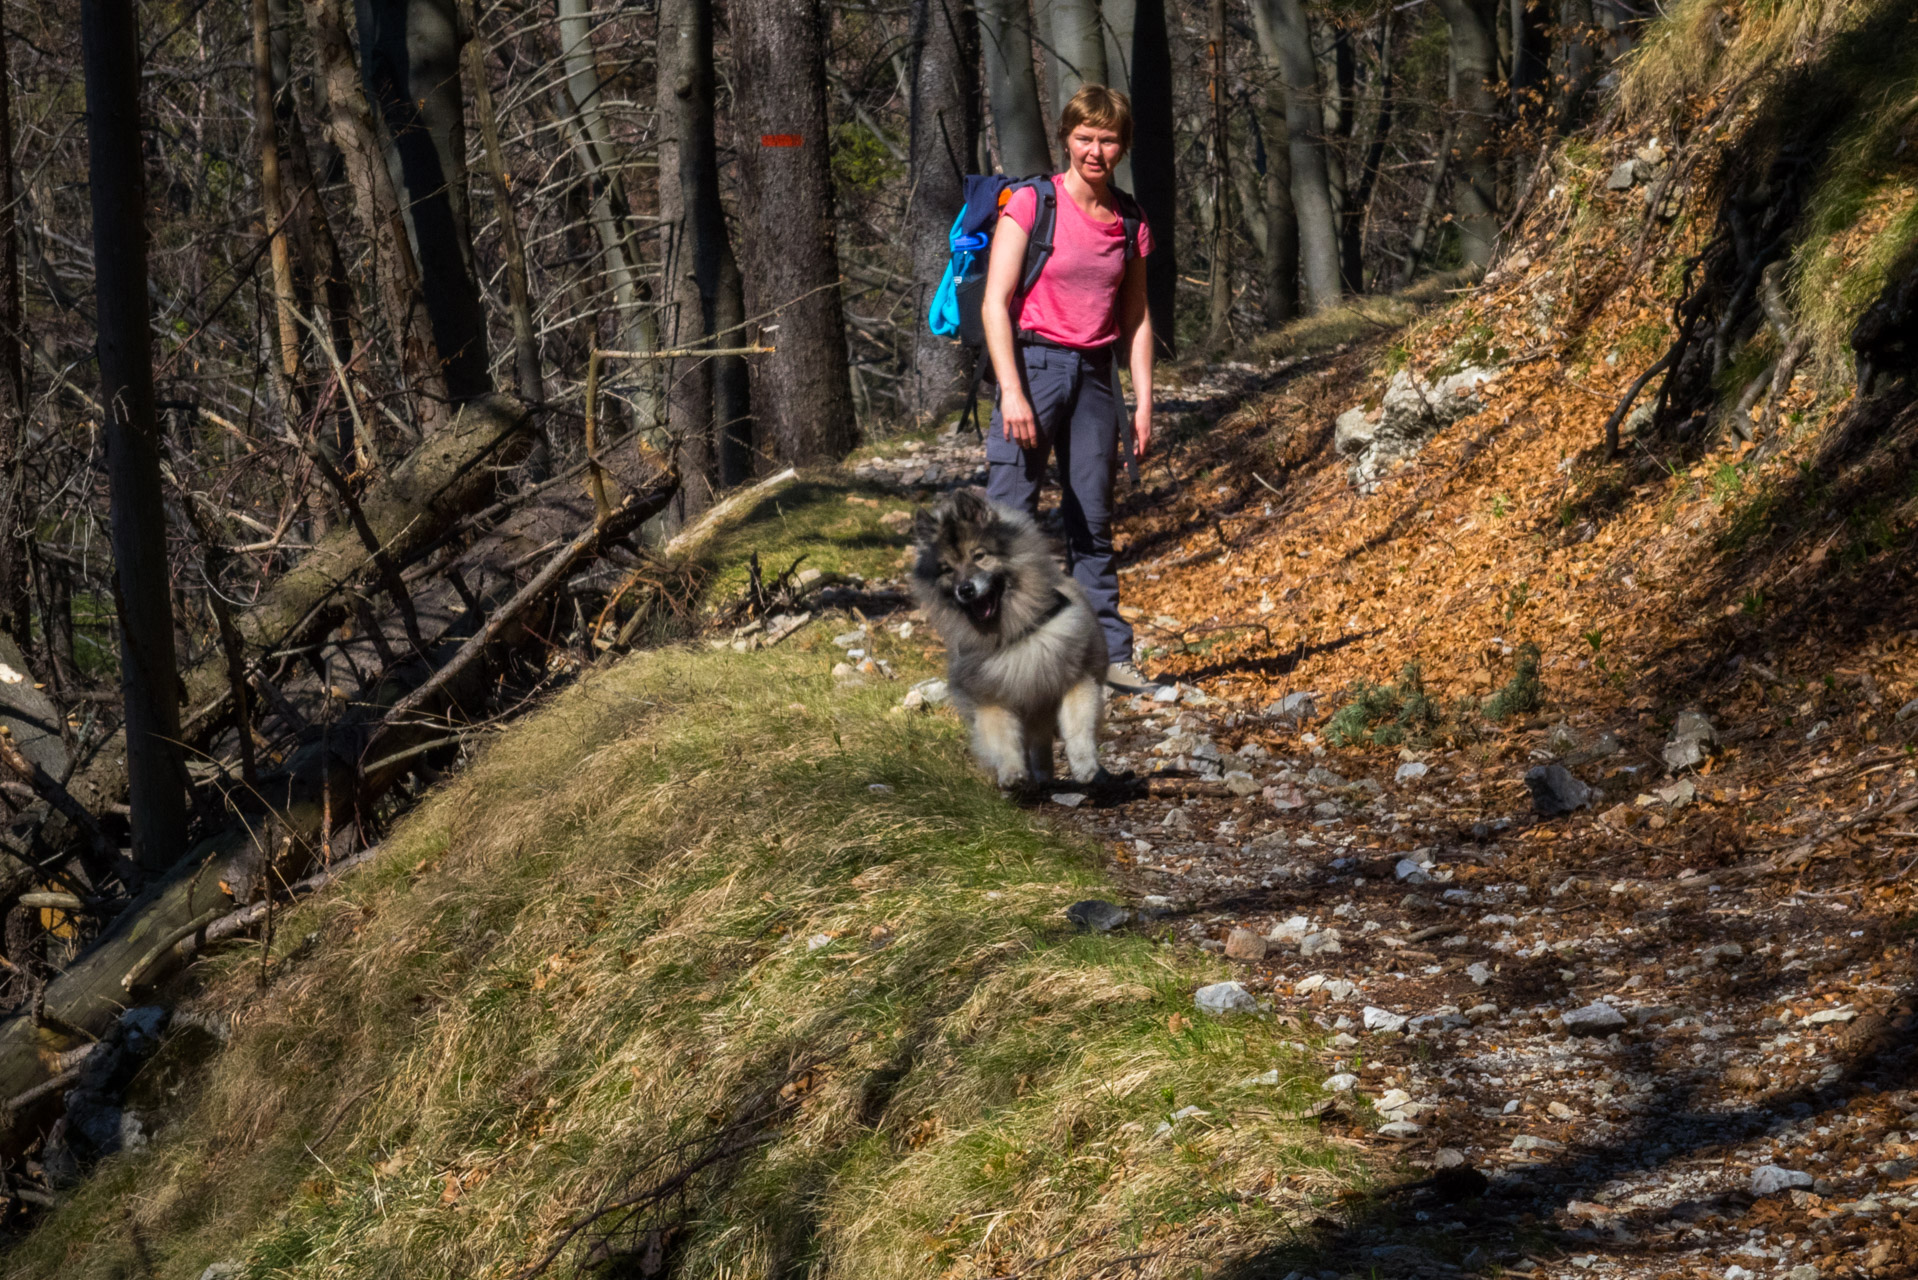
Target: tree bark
point(395, 272)
point(1005, 28)
point(15, 602)
point(1154, 147)
point(410, 66)
point(274, 212)
point(945, 128)
point(593, 145)
point(1359, 202)
point(703, 396)
point(529, 374)
point(1078, 49)
point(802, 394)
point(1119, 19)
point(116, 173)
point(1475, 106)
point(1280, 237)
point(1219, 317)
point(1286, 42)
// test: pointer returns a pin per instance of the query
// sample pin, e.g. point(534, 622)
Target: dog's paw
point(1014, 780)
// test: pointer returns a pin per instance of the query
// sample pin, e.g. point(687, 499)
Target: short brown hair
point(1100, 107)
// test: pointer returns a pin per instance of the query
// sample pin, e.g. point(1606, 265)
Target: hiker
point(1055, 351)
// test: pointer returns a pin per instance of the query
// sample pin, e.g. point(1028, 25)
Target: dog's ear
point(970, 506)
point(925, 527)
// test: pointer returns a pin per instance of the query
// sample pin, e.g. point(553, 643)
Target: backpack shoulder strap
point(1045, 219)
point(1133, 216)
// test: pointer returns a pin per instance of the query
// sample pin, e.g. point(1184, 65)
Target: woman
point(1055, 365)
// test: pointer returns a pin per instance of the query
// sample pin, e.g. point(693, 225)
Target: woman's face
point(1094, 152)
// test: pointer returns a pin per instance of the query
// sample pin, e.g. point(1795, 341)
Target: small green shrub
point(1523, 693)
point(1385, 715)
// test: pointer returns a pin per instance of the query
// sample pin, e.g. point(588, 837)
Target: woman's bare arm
point(1135, 336)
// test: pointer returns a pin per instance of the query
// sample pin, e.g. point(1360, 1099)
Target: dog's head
point(966, 555)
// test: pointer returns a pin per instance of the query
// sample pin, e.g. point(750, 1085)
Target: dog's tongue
point(987, 608)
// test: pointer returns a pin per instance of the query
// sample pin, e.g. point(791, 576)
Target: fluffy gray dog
point(1025, 657)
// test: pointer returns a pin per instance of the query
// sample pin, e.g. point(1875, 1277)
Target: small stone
point(1693, 741)
point(1803, 1271)
point(1222, 998)
point(1344, 1082)
point(1097, 915)
point(1290, 933)
point(933, 692)
point(1070, 799)
point(1326, 943)
point(818, 940)
point(1559, 1111)
point(1166, 693)
point(1175, 820)
point(1624, 175)
point(1377, 1019)
point(1770, 1179)
point(1284, 798)
point(879, 788)
point(1240, 783)
point(1907, 711)
point(1531, 1142)
point(1411, 771)
point(844, 673)
point(1480, 1012)
point(1401, 1129)
point(1294, 707)
point(1411, 872)
point(1479, 972)
point(222, 1271)
point(1597, 1019)
point(1822, 1016)
point(1555, 792)
point(1244, 944)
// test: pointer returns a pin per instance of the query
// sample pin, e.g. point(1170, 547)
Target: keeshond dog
point(1025, 657)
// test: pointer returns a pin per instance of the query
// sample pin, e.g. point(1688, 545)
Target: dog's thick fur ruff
point(1025, 656)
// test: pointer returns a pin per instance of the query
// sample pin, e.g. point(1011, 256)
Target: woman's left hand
point(1141, 433)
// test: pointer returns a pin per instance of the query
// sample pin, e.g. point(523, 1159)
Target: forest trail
point(1659, 1069)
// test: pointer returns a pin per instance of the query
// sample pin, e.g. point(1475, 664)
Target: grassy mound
point(750, 965)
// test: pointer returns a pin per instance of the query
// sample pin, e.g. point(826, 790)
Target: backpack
point(958, 303)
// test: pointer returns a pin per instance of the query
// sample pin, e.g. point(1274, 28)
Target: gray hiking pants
point(1072, 398)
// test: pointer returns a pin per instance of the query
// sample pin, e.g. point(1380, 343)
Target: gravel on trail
point(1660, 1069)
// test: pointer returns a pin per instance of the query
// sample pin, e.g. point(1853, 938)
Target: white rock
point(1840, 1014)
point(1770, 1179)
point(1392, 1100)
point(1479, 972)
point(1166, 693)
point(1411, 771)
point(1070, 799)
point(1377, 1019)
point(1531, 1142)
point(1344, 1082)
point(1316, 944)
point(818, 940)
point(1224, 997)
point(1341, 988)
point(1240, 783)
point(1411, 872)
point(1597, 1019)
point(1401, 1129)
point(1291, 933)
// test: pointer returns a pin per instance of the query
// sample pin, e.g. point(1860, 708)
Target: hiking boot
point(1124, 677)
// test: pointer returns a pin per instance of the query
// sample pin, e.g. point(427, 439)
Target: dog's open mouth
point(984, 607)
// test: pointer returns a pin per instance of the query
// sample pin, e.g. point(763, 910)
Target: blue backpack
point(958, 302)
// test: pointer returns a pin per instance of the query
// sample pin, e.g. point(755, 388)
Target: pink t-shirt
point(1076, 301)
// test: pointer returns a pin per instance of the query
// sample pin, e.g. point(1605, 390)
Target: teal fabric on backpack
point(943, 316)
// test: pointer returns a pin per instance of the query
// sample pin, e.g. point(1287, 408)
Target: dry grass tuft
point(672, 911)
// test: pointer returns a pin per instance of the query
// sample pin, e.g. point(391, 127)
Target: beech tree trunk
point(945, 128)
point(1286, 42)
point(1219, 311)
point(702, 396)
point(1078, 49)
point(143, 596)
point(1279, 237)
point(1154, 146)
point(1119, 21)
point(1475, 105)
point(1005, 28)
point(410, 64)
point(529, 374)
point(802, 394)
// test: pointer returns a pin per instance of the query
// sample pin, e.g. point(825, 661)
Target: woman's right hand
point(1022, 425)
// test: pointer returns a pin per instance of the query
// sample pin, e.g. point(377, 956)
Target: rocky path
point(1585, 1060)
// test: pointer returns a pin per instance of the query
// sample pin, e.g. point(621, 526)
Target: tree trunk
point(274, 214)
point(1280, 237)
point(1428, 204)
point(701, 254)
point(529, 375)
point(1574, 60)
point(1078, 47)
point(802, 394)
point(1005, 28)
point(1286, 42)
point(395, 272)
point(15, 603)
point(1475, 170)
point(593, 144)
point(149, 680)
point(1119, 18)
point(1359, 204)
point(410, 65)
point(945, 127)
point(1219, 312)
point(1154, 147)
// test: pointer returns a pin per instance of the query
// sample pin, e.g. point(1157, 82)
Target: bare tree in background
point(1475, 169)
point(1078, 49)
point(802, 394)
point(149, 680)
point(1012, 86)
point(15, 604)
point(944, 125)
point(1286, 42)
